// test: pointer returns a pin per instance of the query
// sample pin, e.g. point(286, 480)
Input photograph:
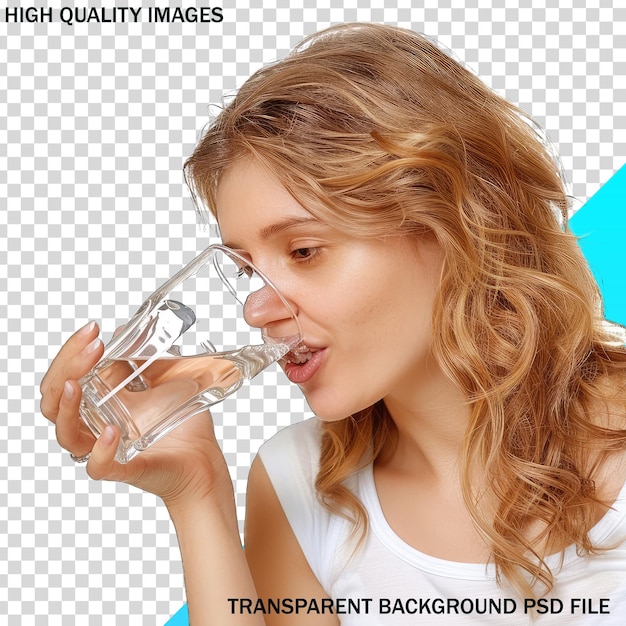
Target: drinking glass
point(215, 324)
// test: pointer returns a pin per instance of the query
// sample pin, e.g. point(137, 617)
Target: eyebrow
point(278, 227)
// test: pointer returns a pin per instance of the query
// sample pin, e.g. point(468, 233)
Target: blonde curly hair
point(377, 131)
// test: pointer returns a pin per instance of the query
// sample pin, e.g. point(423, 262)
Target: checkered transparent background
point(95, 123)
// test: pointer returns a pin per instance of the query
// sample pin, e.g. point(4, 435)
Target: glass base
point(111, 412)
point(132, 441)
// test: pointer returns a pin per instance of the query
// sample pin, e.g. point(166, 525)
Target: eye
point(304, 254)
point(244, 270)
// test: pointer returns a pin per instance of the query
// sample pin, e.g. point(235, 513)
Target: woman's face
point(364, 305)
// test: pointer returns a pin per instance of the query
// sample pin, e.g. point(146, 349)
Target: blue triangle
point(180, 618)
point(600, 225)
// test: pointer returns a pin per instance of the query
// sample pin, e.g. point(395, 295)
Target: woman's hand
point(186, 466)
point(186, 469)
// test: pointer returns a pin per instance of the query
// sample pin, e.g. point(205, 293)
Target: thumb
point(102, 462)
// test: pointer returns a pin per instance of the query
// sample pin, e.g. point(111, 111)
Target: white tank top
point(389, 583)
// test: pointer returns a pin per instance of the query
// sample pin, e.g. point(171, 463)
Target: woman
point(469, 435)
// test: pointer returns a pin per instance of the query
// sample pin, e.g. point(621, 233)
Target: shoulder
point(293, 453)
point(308, 432)
point(287, 535)
point(280, 546)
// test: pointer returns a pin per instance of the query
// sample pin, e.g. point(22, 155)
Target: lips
point(302, 363)
point(300, 354)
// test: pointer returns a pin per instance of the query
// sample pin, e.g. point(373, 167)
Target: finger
point(68, 365)
point(102, 464)
point(72, 348)
point(71, 432)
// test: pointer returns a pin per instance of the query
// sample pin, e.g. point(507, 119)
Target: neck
point(431, 420)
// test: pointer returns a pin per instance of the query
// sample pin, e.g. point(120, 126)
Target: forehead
point(248, 181)
point(251, 200)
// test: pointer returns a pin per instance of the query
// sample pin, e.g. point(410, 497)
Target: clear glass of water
point(215, 324)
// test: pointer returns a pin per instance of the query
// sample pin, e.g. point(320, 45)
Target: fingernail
point(107, 436)
point(92, 346)
point(87, 328)
point(68, 390)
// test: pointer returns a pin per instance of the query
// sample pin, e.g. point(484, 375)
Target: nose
point(266, 310)
point(264, 307)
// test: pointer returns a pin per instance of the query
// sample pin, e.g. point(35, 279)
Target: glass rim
point(188, 270)
point(233, 254)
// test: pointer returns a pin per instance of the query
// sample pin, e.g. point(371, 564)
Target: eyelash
point(246, 270)
point(311, 254)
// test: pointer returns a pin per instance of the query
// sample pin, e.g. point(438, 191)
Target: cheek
point(399, 317)
point(377, 320)
point(356, 312)
point(363, 295)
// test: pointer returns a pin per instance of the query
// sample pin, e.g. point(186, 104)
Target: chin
point(328, 411)
point(325, 416)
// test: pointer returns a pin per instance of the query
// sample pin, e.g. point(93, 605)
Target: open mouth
point(302, 363)
point(300, 354)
